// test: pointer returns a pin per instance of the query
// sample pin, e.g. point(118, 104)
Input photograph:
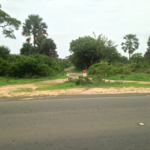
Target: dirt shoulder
point(9, 90)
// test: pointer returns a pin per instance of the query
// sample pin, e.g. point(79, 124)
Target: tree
point(4, 51)
point(123, 59)
point(8, 24)
point(34, 26)
point(88, 50)
point(26, 49)
point(48, 47)
point(131, 44)
point(147, 53)
point(84, 52)
point(106, 49)
point(137, 57)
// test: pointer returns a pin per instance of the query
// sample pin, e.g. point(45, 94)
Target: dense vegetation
point(87, 51)
point(100, 57)
point(30, 66)
point(37, 60)
point(97, 54)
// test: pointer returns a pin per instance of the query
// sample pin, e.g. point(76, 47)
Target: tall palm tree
point(131, 44)
point(34, 26)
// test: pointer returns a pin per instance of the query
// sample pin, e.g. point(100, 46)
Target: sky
point(68, 20)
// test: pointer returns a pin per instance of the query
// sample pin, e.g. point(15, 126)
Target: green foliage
point(81, 81)
point(4, 65)
point(77, 70)
point(148, 43)
point(106, 49)
point(4, 52)
point(48, 47)
point(8, 24)
point(147, 53)
point(141, 66)
point(34, 26)
point(36, 78)
point(137, 57)
point(122, 59)
point(28, 66)
point(103, 69)
point(94, 83)
point(84, 52)
point(88, 50)
point(132, 77)
point(26, 49)
point(65, 63)
point(131, 44)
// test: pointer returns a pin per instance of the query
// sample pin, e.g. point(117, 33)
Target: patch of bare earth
point(8, 91)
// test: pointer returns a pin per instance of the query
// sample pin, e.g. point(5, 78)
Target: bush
point(4, 65)
point(104, 69)
point(81, 81)
point(27, 66)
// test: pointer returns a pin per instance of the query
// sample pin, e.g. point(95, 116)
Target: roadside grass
point(133, 77)
point(12, 81)
point(95, 84)
point(23, 90)
point(76, 70)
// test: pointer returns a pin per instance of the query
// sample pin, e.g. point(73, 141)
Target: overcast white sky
point(68, 20)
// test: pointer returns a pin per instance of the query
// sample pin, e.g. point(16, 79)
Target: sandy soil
point(8, 91)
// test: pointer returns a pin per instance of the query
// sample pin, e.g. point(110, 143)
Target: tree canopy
point(88, 50)
point(4, 51)
point(137, 57)
point(84, 52)
point(131, 44)
point(34, 26)
point(48, 47)
point(26, 49)
point(147, 53)
point(8, 24)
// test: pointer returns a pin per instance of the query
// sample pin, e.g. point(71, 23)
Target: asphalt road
point(76, 123)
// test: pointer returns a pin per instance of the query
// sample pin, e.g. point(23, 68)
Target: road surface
point(108, 122)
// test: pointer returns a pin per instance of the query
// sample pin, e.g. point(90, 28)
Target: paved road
point(81, 123)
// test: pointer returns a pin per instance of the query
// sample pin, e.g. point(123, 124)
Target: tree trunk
point(129, 55)
point(34, 43)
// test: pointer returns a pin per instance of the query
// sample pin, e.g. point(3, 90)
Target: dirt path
point(9, 90)
point(140, 82)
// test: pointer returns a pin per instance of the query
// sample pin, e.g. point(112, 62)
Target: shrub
point(27, 66)
point(4, 52)
point(81, 81)
point(4, 66)
point(103, 69)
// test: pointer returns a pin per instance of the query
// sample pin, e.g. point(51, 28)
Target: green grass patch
point(23, 90)
point(133, 77)
point(95, 84)
point(11, 81)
